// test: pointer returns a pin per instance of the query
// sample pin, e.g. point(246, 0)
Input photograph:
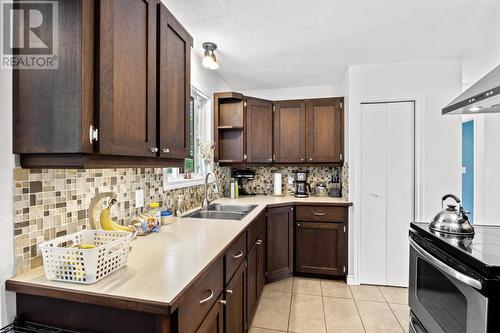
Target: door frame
point(353, 143)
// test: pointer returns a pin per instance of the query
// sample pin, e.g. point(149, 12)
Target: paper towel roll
point(277, 184)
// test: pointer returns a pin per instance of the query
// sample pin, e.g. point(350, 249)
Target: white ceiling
point(290, 43)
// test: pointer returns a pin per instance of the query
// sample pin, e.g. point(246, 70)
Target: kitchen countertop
point(161, 265)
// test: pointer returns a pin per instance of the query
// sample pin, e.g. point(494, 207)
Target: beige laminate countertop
point(160, 265)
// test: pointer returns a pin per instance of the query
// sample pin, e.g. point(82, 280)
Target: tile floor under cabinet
point(304, 305)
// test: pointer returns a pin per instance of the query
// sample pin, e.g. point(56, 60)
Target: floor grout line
point(323, 303)
point(359, 315)
point(290, 308)
point(397, 319)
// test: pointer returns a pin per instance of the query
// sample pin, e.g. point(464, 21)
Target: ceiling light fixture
point(209, 59)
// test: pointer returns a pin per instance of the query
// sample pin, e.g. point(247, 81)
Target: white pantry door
point(387, 191)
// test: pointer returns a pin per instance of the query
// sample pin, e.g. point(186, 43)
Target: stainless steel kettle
point(452, 220)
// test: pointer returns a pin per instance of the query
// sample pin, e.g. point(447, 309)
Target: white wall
point(433, 84)
point(296, 92)
point(204, 79)
point(486, 166)
point(7, 302)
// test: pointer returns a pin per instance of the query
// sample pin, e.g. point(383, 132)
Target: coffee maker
point(302, 187)
point(242, 176)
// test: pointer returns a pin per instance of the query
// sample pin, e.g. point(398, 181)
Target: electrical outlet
point(139, 198)
point(290, 180)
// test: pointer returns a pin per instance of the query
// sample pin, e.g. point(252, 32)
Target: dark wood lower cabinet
point(279, 243)
point(224, 298)
point(235, 314)
point(320, 248)
point(256, 273)
point(214, 321)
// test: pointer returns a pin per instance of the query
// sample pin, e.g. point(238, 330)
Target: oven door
point(444, 299)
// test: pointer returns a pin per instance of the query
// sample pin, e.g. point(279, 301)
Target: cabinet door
point(261, 262)
point(259, 131)
point(320, 248)
point(252, 297)
point(325, 130)
point(174, 58)
point(256, 273)
point(279, 243)
point(289, 131)
point(214, 321)
point(127, 77)
point(236, 302)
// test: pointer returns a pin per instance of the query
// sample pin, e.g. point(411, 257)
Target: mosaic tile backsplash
point(49, 203)
point(263, 180)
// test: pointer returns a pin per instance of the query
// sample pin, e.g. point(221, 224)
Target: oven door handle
point(445, 268)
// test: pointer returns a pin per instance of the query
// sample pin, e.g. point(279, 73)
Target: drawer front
point(200, 297)
point(255, 227)
point(321, 214)
point(235, 255)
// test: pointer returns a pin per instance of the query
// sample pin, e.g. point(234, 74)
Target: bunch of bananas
point(108, 224)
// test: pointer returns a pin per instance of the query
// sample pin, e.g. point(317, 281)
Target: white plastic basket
point(71, 264)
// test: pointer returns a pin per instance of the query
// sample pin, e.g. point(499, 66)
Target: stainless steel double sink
point(223, 212)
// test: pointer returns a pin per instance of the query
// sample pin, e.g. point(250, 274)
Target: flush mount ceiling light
point(209, 59)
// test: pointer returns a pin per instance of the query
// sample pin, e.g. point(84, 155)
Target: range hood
point(482, 97)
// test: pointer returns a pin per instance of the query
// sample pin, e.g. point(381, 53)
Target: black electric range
point(454, 280)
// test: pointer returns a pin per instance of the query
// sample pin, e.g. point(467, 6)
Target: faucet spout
point(206, 202)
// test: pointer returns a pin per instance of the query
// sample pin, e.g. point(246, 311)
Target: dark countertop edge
point(123, 303)
point(134, 303)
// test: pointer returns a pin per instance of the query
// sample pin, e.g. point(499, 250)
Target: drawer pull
point(319, 214)
point(229, 291)
point(203, 301)
point(238, 254)
point(258, 242)
point(223, 302)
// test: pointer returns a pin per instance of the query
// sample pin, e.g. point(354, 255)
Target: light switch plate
point(290, 180)
point(139, 198)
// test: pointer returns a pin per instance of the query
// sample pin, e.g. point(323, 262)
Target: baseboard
point(352, 280)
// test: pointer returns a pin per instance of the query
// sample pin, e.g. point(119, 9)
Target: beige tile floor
point(302, 305)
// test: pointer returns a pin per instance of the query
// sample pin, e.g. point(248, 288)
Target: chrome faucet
point(206, 202)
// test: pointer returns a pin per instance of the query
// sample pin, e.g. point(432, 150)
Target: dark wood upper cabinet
point(229, 127)
point(325, 130)
point(289, 131)
point(279, 243)
point(259, 131)
point(127, 77)
point(54, 109)
point(174, 88)
point(119, 95)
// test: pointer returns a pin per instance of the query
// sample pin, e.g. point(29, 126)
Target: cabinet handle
point(319, 214)
point(340, 157)
point(229, 291)
point(223, 302)
point(165, 150)
point(238, 255)
point(298, 224)
point(302, 159)
point(310, 158)
point(258, 242)
point(203, 301)
point(291, 209)
point(245, 157)
point(154, 149)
